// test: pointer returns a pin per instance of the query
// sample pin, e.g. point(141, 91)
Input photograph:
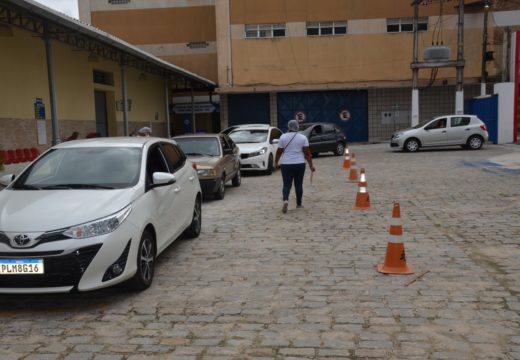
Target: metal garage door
point(347, 109)
point(248, 109)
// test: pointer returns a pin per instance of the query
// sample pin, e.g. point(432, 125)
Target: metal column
point(52, 89)
point(193, 110)
point(167, 101)
point(125, 100)
point(415, 70)
point(459, 95)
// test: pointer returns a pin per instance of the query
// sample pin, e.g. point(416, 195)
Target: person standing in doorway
point(293, 150)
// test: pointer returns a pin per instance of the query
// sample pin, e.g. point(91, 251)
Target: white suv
point(258, 144)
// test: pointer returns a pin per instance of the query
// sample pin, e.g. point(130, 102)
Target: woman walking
point(293, 150)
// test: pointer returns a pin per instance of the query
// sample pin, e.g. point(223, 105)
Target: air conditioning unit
point(436, 53)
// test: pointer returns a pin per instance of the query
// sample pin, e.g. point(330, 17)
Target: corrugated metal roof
point(103, 37)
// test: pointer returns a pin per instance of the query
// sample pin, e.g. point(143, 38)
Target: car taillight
point(483, 127)
point(194, 166)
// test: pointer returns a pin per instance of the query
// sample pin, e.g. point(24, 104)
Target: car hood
point(246, 148)
point(45, 210)
point(205, 161)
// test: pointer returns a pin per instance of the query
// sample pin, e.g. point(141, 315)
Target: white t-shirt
point(293, 144)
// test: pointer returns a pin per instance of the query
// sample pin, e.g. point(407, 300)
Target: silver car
point(467, 131)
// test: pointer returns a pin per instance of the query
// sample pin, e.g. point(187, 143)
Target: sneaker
point(299, 206)
point(285, 206)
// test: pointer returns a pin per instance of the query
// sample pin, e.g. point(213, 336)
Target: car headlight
point(262, 151)
point(99, 227)
point(206, 172)
point(398, 135)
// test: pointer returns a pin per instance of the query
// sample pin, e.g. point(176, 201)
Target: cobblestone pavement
point(259, 284)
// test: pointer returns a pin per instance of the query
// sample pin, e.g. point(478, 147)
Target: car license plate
point(21, 266)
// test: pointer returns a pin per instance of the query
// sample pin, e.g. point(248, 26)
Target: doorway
point(101, 113)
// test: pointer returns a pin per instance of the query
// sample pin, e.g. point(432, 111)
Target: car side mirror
point(7, 179)
point(163, 179)
point(228, 151)
point(275, 141)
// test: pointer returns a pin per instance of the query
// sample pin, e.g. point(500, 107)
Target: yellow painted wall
point(337, 59)
point(23, 71)
point(204, 65)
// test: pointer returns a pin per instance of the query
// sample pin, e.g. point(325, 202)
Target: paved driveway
point(259, 284)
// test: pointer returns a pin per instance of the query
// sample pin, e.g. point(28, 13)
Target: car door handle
point(191, 178)
point(177, 189)
point(444, 131)
point(468, 129)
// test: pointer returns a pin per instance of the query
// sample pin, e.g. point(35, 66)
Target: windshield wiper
point(26, 187)
point(76, 186)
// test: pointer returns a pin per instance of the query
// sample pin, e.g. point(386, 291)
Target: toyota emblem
point(22, 240)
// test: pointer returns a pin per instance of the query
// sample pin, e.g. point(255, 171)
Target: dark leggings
point(290, 173)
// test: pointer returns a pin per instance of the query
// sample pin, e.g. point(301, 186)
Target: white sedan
point(92, 213)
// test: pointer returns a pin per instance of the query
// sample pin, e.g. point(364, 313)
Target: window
point(174, 157)
point(103, 77)
point(460, 121)
point(405, 24)
point(155, 163)
point(326, 28)
point(118, 2)
point(256, 31)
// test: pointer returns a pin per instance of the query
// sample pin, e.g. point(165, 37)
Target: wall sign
point(300, 116)
point(344, 115)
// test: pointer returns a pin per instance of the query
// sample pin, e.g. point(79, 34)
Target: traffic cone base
point(395, 258)
point(395, 261)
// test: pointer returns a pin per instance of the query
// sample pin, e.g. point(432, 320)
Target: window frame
point(397, 24)
point(333, 26)
point(265, 31)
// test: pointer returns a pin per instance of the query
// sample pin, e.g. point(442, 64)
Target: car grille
point(65, 270)
point(244, 156)
point(50, 236)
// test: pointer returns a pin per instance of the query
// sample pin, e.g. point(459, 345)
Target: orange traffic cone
point(395, 258)
point(346, 159)
point(353, 175)
point(362, 198)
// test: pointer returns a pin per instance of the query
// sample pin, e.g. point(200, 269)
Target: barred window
point(256, 31)
point(405, 24)
point(323, 28)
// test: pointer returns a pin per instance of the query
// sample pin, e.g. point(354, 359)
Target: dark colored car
point(324, 137)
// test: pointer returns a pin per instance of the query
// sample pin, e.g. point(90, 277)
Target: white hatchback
point(467, 131)
point(92, 213)
point(258, 144)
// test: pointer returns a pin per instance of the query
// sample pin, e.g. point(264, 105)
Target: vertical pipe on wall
point(193, 110)
point(167, 102)
point(516, 79)
point(415, 70)
point(125, 99)
point(459, 96)
point(52, 87)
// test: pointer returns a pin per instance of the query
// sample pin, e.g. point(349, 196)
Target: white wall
point(506, 111)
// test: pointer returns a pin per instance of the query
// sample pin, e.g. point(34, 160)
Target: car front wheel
point(237, 179)
point(340, 149)
point(475, 142)
point(193, 230)
point(221, 191)
point(270, 165)
point(412, 145)
point(145, 263)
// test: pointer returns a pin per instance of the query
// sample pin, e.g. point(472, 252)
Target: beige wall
point(338, 59)
point(23, 71)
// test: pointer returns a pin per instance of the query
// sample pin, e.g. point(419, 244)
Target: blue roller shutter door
point(248, 109)
point(326, 106)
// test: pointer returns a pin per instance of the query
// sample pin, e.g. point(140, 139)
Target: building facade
point(61, 77)
point(343, 61)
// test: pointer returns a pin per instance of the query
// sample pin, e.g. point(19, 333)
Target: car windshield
point(199, 146)
point(83, 168)
point(248, 136)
